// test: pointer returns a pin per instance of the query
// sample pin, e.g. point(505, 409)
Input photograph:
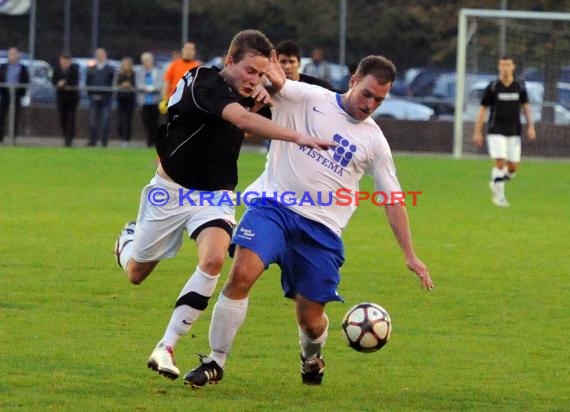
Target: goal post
point(539, 39)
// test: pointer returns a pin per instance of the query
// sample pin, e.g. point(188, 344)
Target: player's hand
point(420, 269)
point(478, 138)
point(261, 95)
point(531, 132)
point(163, 105)
point(275, 73)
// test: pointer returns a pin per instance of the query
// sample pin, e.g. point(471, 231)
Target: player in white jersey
point(296, 220)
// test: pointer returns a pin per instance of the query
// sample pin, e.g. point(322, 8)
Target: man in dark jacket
point(100, 75)
point(65, 79)
point(12, 72)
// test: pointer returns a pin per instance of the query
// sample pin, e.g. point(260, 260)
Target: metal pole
point(67, 26)
point(503, 32)
point(12, 114)
point(342, 33)
point(185, 16)
point(94, 26)
point(32, 38)
point(460, 86)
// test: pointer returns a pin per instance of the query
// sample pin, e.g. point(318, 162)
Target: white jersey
point(316, 184)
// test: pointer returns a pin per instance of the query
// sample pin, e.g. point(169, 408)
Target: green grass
point(494, 334)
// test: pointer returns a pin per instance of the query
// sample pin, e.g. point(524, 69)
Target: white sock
point(511, 175)
point(497, 174)
point(191, 302)
point(311, 347)
point(227, 318)
point(125, 255)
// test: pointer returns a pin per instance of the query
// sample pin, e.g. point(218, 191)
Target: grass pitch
point(493, 335)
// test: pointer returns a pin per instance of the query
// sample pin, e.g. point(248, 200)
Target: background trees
point(412, 33)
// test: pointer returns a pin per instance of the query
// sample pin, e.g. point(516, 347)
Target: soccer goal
point(539, 42)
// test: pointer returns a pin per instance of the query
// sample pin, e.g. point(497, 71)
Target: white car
point(402, 109)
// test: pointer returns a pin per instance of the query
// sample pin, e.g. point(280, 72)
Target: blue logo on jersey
point(344, 151)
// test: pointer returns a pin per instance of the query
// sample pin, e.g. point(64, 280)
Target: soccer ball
point(366, 327)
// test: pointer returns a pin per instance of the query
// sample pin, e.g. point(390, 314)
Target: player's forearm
point(398, 219)
point(528, 115)
point(480, 121)
point(260, 126)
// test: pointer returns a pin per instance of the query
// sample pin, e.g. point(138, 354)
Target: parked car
point(564, 94)
point(339, 73)
point(402, 109)
point(41, 90)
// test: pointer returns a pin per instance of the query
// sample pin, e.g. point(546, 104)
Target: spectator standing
point(12, 72)
point(65, 79)
point(178, 68)
point(318, 66)
point(126, 99)
point(150, 80)
point(99, 75)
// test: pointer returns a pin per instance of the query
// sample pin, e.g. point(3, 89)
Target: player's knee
point(134, 278)
point(313, 328)
point(240, 281)
point(212, 264)
point(137, 273)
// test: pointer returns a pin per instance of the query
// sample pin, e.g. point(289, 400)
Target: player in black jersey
point(193, 188)
point(505, 97)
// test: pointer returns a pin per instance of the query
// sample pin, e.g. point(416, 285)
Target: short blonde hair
point(147, 56)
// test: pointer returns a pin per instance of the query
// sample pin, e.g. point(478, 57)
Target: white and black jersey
point(198, 149)
point(505, 103)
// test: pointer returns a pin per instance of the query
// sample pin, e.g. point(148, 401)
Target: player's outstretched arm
point(398, 218)
point(260, 126)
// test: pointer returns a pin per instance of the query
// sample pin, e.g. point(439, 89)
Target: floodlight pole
point(503, 32)
point(67, 26)
point(94, 26)
point(342, 33)
point(185, 15)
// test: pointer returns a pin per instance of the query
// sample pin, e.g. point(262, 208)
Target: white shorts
point(504, 147)
point(167, 209)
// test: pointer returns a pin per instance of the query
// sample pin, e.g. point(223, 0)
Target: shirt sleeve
point(210, 92)
point(487, 98)
point(293, 91)
point(381, 167)
point(523, 96)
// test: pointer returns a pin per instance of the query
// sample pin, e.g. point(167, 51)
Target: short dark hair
point(507, 57)
point(249, 41)
point(65, 55)
point(289, 48)
point(378, 66)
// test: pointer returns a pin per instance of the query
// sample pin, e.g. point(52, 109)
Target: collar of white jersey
point(339, 102)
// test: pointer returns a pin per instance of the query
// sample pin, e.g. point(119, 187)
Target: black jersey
point(505, 103)
point(198, 149)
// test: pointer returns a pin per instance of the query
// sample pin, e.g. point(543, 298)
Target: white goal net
point(539, 43)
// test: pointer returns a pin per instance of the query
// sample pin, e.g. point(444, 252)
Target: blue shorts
point(308, 253)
